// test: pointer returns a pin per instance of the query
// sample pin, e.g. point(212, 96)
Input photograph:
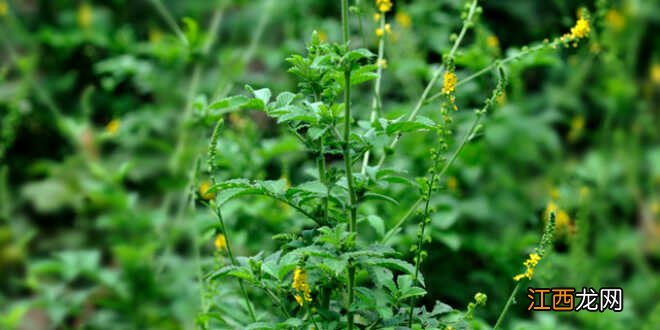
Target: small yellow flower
point(550, 208)
point(452, 183)
point(563, 221)
point(450, 80)
point(403, 19)
point(155, 36)
point(85, 15)
point(501, 99)
point(220, 242)
point(580, 30)
point(237, 121)
point(382, 63)
point(113, 126)
point(493, 42)
point(4, 9)
point(204, 192)
point(615, 19)
point(323, 37)
point(300, 284)
point(384, 5)
point(380, 32)
point(529, 264)
point(377, 17)
point(577, 127)
point(655, 73)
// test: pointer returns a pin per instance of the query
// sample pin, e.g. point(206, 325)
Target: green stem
point(420, 242)
point(506, 307)
point(322, 178)
point(167, 17)
point(376, 104)
point(234, 262)
point(348, 164)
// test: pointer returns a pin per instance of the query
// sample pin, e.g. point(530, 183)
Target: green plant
point(339, 277)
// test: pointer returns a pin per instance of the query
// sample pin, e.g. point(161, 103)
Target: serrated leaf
point(377, 224)
point(392, 263)
point(370, 194)
point(412, 292)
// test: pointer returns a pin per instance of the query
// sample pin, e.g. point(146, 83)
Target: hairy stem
point(348, 164)
point(420, 242)
point(235, 263)
point(376, 104)
point(506, 307)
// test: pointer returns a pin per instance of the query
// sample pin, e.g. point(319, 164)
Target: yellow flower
point(4, 9)
point(403, 19)
point(204, 192)
point(655, 73)
point(85, 15)
point(377, 17)
point(550, 208)
point(563, 220)
point(501, 99)
point(379, 31)
point(113, 126)
point(452, 183)
point(382, 63)
point(220, 242)
point(384, 5)
point(493, 42)
point(155, 36)
point(301, 286)
point(580, 30)
point(449, 82)
point(577, 126)
point(529, 264)
point(614, 19)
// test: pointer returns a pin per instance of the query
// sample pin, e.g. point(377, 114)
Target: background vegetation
point(101, 144)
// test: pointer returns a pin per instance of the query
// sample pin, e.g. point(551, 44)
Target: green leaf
point(263, 94)
point(392, 263)
point(381, 197)
point(421, 123)
point(363, 74)
point(235, 103)
point(284, 99)
point(412, 292)
point(355, 55)
point(315, 187)
point(377, 224)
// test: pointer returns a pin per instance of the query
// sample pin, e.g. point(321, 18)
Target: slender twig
point(348, 164)
point(512, 297)
point(169, 19)
point(376, 103)
point(420, 242)
point(223, 228)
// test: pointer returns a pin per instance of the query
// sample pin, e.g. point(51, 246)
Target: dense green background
point(91, 232)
